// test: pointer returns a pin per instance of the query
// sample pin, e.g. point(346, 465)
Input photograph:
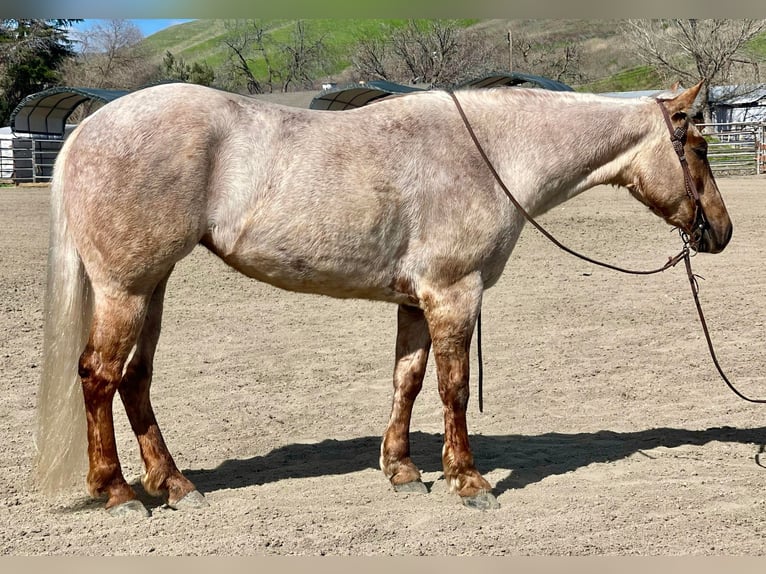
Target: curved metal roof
point(46, 112)
point(515, 79)
point(358, 95)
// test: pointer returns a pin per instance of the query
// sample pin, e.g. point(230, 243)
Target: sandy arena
point(606, 429)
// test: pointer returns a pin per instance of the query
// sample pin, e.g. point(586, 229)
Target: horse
point(390, 202)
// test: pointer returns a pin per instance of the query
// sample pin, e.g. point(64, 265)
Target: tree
point(111, 56)
point(261, 62)
point(371, 59)
point(245, 39)
point(437, 52)
point(30, 53)
point(555, 61)
point(302, 58)
point(427, 49)
point(688, 51)
point(176, 68)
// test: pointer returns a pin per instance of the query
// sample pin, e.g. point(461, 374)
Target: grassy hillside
point(199, 40)
point(606, 60)
point(202, 40)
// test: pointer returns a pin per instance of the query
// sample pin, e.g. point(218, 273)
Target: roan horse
point(389, 202)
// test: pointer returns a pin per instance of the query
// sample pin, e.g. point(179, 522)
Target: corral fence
point(28, 160)
point(737, 148)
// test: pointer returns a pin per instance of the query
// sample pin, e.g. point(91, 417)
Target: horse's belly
point(346, 269)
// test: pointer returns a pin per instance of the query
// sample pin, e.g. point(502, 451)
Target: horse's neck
point(565, 146)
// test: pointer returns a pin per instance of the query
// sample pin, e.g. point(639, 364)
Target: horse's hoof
point(482, 501)
point(129, 508)
point(416, 486)
point(194, 499)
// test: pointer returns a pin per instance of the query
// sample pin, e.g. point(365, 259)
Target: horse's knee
point(408, 385)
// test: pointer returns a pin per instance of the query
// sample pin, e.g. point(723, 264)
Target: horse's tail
point(61, 437)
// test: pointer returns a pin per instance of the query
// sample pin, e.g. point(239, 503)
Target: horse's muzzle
point(713, 240)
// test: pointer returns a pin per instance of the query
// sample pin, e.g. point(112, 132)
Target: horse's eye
point(699, 147)
point(700, 151)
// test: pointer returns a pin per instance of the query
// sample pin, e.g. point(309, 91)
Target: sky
point(147, 27)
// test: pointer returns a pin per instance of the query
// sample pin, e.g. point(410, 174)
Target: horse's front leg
point(413, 343)
point(451, 313)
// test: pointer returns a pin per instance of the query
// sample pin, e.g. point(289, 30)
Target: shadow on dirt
point(531, 458)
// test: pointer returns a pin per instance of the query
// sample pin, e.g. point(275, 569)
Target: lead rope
point(695, 293)
point(684, 254)
point(672, 261)
point(678, 138)
point(481, 362)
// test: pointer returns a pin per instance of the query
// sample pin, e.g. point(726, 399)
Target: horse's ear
point(683, 103)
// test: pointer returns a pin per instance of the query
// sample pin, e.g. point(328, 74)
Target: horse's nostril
point(712, 242)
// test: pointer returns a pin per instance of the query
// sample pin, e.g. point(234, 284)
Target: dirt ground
point(606, 429)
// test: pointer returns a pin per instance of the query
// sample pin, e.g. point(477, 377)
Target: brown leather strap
point(672, 261)
point(677, 137)
point(695, 294)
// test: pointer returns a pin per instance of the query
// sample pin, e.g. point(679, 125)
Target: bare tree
point(245, 40)
point(437, 52)
point(558, 62)
point(426, 49)
point(263, 63)
point(372, 59)
point(110, 56)
point(714, 51)
point(302, 58)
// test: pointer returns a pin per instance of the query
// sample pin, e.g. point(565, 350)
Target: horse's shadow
point(531, 458)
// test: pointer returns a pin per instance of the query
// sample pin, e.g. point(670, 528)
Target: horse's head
point(674, 179)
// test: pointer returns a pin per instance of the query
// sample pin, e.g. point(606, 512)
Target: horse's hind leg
point(161, 474)
point(451, 313)
point(413, 342)
point(117, 320)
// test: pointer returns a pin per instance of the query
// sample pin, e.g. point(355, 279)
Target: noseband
point(678, 139)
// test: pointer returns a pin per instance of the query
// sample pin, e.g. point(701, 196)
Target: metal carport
point(358, 95)
point(46, 112)
point(39, 125)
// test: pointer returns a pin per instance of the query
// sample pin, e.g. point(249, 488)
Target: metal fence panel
point(736, 148)
point(33, 159)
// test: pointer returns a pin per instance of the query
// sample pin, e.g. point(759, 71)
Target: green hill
point(605, 60)
point(203, 40)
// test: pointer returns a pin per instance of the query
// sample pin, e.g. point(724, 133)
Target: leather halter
point(678, 139)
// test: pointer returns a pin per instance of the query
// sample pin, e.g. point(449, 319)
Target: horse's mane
point(537, 94)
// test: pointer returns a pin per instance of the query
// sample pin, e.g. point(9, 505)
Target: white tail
point(61, 427)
